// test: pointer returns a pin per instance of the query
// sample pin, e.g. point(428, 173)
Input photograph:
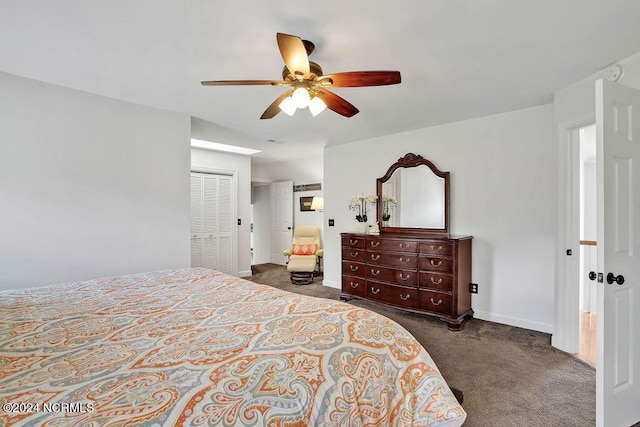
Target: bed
point(196, 347)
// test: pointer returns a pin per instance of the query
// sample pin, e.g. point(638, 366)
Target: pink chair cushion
point(299, 249)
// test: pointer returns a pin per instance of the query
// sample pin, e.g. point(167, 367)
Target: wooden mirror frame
point(411, 160)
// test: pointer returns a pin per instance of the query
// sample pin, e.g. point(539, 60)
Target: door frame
point(566, 334)
point(234, 205)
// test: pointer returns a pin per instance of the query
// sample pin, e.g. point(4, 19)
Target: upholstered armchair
point(303, 258)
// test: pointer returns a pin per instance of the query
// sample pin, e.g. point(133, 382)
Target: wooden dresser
point(417, 272)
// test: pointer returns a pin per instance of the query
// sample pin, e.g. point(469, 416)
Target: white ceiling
point(458, 59)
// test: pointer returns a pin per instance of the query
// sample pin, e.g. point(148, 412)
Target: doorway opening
point(587, 340)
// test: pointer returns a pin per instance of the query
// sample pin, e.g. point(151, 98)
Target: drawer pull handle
point(375, 291)
point(354, 254)
point(404, 278)
point(438, 249)
point(404, 245)
point(403, 261)
point(375, 244)
point(436, 282)
point(375, 272)
point(353, 242)
point(353, 267)
point(354, 285)
point(375, 257)
point(436, 303)
point(403, 298)
point(433, 263)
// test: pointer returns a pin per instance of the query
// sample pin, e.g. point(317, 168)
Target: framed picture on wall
point(305, 204)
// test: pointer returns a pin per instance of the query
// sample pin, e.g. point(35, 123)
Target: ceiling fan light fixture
point(306, 80)
point(301, 97)
point(317, 106)
point(288, 106)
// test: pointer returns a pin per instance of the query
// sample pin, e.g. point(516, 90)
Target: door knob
point(619, 279)
point(592, 275)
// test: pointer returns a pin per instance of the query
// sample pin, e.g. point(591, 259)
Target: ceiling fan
point(309, 85)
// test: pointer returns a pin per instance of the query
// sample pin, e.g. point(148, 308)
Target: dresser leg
point(345, 298)
point(454, 325)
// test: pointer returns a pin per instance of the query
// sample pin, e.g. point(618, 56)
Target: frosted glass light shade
point(288, 106)
point(317, 106)
point(301, 97)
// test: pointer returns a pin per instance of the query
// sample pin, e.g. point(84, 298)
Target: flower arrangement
point(358, 203)
point(388, 203)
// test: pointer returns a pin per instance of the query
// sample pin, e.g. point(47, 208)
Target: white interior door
point(281, 194)
point(618, 188)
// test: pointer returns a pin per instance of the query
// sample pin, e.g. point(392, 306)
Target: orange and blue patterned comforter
point(196, 347)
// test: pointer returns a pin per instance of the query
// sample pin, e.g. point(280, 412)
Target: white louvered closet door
point(212, 221)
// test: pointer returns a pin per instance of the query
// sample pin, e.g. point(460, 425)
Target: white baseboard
point(245, 273)
point(514, 321)
point(332, 284)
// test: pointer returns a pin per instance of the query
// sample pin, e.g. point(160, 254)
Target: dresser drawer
point(354, 285)
point(435, 301)
point(402, 260)
point(353, 242)
point(397, 245)
point(438, 281)
point(392, 294)
point(436, 247)
point(435, 263)
point(392, 275)
point(350, 268)
point(354, 254)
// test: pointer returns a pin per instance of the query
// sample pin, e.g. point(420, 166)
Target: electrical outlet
point(473, 288)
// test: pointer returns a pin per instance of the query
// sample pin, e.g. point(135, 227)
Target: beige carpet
point(510, 376)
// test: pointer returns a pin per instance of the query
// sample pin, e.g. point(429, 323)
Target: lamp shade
point(317, 204)
point(317, 106)
point(288, 106)
point(301, 97)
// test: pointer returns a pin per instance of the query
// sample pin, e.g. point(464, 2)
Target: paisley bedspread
point(196, 347)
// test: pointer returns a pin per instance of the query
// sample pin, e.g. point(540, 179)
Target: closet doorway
point(212, 221)
point(587, 346)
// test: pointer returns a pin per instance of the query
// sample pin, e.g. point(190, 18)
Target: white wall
point(577, 101)
point(503, 193)
point(227, 162)
point(304, 170)
point(89, 186)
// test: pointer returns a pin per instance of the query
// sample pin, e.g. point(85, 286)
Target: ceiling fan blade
point(242, 83)
point(337, 103)
point(274, 108)
point(362, 78)
point(294, 54)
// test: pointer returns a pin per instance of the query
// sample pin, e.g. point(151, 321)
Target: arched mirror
point(413, 196)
